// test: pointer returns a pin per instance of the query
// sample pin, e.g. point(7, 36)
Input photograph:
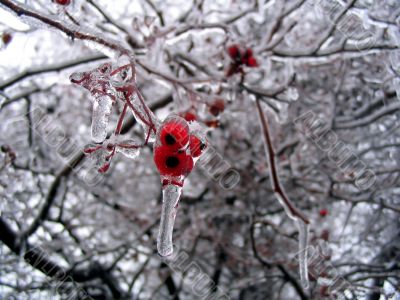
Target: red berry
point(170, 163)
point(248, 53)
point(248, 58)
point(212, 123)
point(323, 212)
point(63, 2)
point(234, 52)
point(6, 37)
point(190, 116)
point(217, 107)
point(196, 146)
point(252, 62)
point(174, 133)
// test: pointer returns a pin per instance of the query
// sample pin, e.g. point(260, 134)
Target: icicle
point(171, 194)
point(303, 245)
point(101, 113)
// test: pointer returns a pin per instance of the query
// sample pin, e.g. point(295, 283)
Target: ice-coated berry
point(171, 163)
point(174, 133)
point(196, 146)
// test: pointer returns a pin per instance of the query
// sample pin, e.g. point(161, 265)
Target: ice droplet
point(101, 113)
point(303, 245)
point(171, 195)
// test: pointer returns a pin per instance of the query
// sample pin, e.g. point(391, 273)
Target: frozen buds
point(240, 57)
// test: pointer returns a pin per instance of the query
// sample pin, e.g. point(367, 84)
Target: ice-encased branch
point(295, 214)
point(37, 19)
point(302, 257)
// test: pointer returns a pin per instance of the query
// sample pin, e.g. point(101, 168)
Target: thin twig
point(106, 17)
point(72, 33)
point(276, 185)
point(47, 69)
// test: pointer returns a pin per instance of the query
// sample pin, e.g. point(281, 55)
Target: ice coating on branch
point(129, 148)
point(91, 37)
point(96, 154)
point(171, 195)
point(303, 242)
point(100, 116)
point(96, 81)
point(142, 115)
point(100, 47)
point(123, 71)
point(288, 212)
point(303, 245)
point(103, 153)
point(116, 82)
point(29, 20)
point(123, 80)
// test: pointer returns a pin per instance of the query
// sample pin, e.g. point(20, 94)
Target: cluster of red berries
point(240, 57)
point(215, 108)
point(177, 148)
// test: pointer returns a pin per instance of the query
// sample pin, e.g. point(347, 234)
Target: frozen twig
point(276, 185)
point(295, 214)
point(24, 11)
point(107, 17)
point(50, 68)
